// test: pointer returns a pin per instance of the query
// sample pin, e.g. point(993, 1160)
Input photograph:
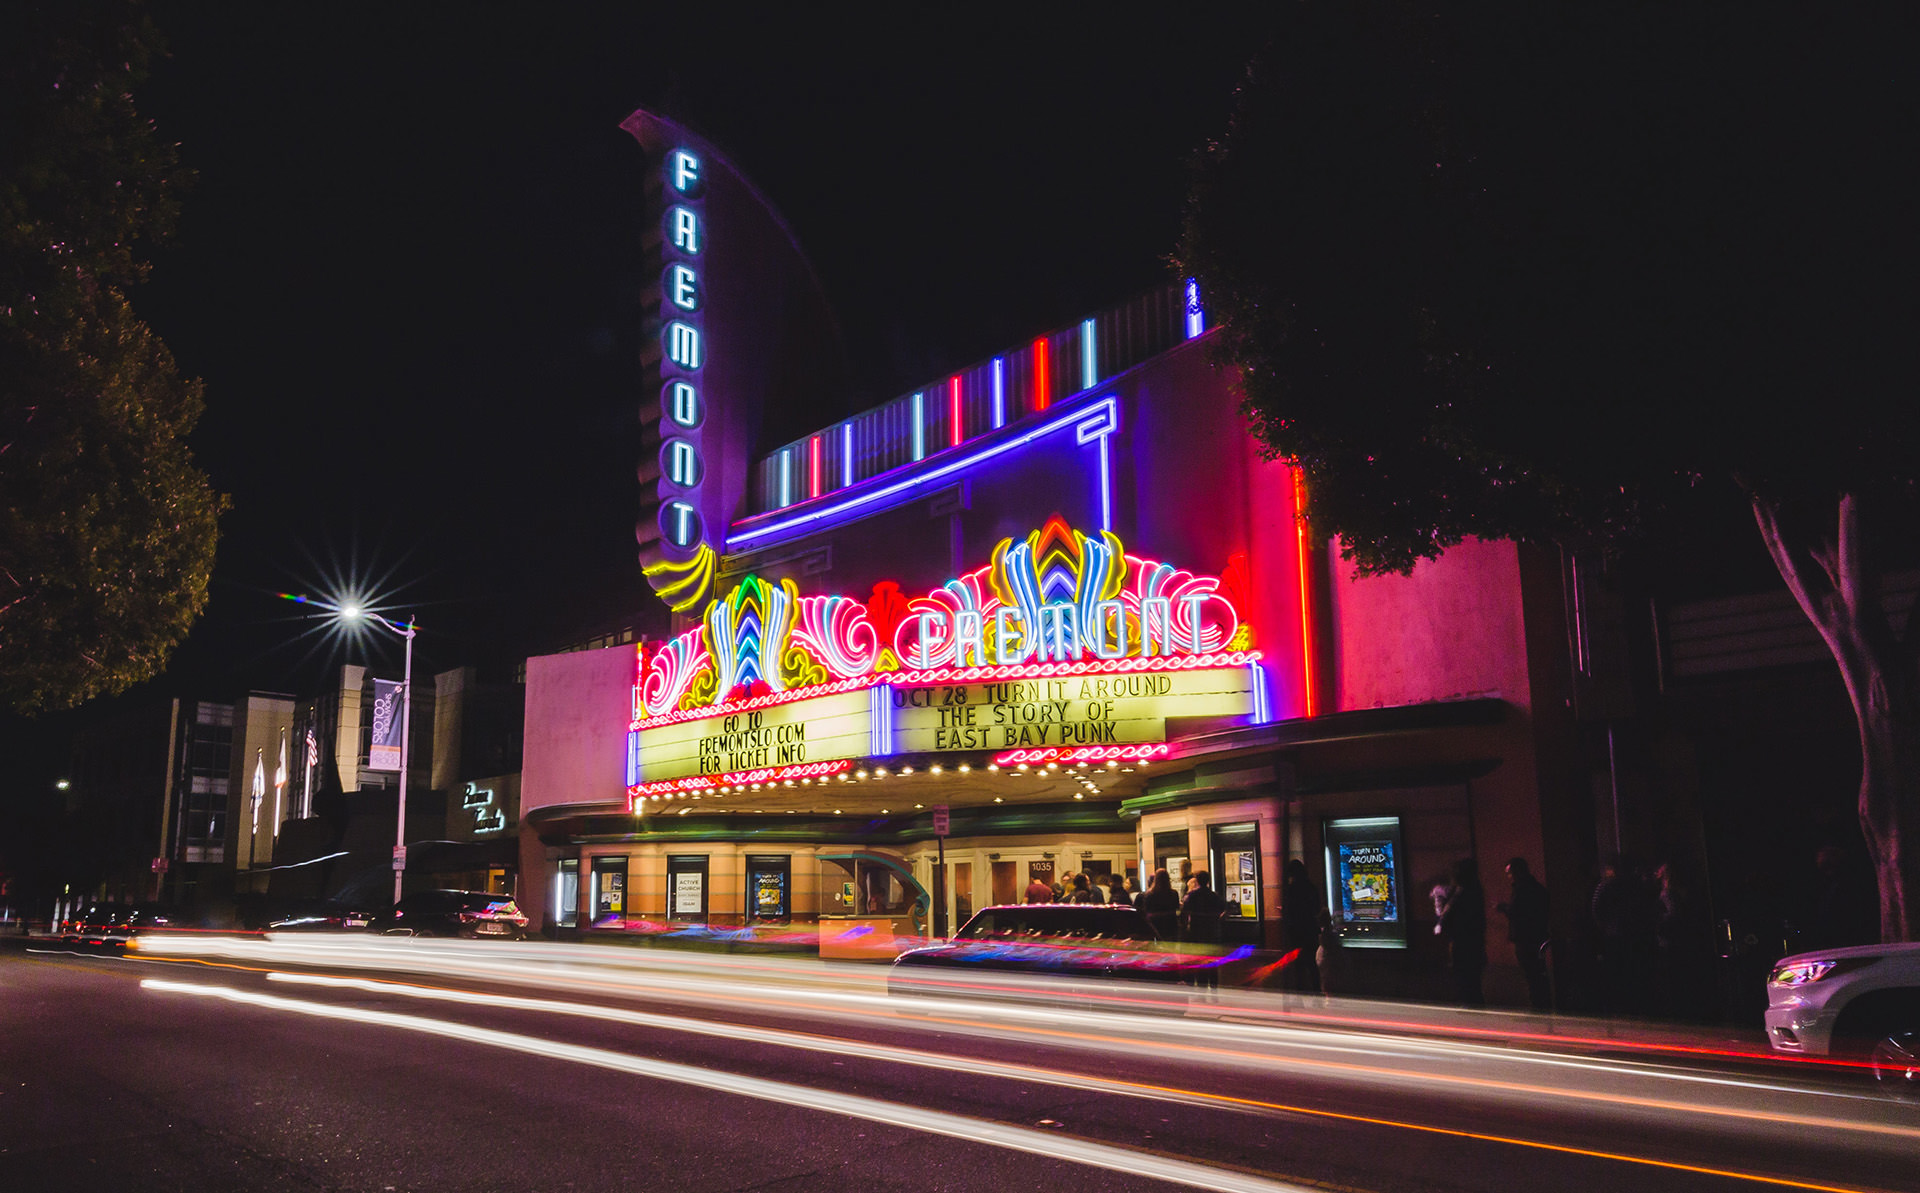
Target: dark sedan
point(320, 915)
point(114, 924)
point(1081, 940)
point(455, 913)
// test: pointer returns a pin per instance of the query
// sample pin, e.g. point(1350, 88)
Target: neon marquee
point(1057, 602)
point(669, 788)
point(1074, 756)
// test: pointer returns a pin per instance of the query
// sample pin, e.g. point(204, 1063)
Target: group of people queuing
point(1650, 941)
point(1082, 888)
point(1186, 908)
point(1460, 922)
point(1653, 945)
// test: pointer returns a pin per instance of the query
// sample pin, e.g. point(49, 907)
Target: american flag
point(313, 748)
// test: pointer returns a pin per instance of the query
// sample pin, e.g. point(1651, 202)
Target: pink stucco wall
point(578, 707)
point(1453, 629)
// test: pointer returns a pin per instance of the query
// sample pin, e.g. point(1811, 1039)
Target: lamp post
point(406, 728)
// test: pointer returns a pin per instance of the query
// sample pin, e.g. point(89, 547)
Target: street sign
point(399, 857)
point(940, 821)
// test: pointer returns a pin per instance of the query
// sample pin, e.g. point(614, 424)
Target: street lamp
point(406, 733)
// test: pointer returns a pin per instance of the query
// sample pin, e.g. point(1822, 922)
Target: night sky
point(410, 271)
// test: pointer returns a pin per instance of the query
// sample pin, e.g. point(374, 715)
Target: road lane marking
point(842, 1046)
point(1052, 1145)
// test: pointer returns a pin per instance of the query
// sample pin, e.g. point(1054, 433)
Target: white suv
point(1859, 1003)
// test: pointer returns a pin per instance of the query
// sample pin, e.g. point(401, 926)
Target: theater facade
point(1053, 612)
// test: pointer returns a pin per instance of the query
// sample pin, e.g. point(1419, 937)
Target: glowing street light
point(354, 612)
point(351, 610)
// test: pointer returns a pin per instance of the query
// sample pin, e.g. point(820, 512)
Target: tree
point(1538, 273)
point(107, 529)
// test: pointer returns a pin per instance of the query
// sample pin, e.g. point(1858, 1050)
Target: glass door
point(962, 894)
point(1234, 850)
point(687, 887)
point(566, 894)
point(609, 892)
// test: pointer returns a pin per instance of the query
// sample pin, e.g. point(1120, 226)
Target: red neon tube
point(953, 411)
point(814, 448)
point(1303, 557)
point(1042, 378)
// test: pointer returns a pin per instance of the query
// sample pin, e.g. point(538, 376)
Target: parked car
point(455, 913)
point(75, 921)
point(1083, 940)
point(321, 915)
point(114, 924)
point(1858, 1003)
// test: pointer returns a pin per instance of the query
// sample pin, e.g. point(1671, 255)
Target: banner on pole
point(384, 752)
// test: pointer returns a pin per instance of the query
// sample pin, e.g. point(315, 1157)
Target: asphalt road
point(420, 1065)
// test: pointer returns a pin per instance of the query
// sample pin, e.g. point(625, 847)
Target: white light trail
point(761, 984)
point(972, 1130)
point(1246, 1035)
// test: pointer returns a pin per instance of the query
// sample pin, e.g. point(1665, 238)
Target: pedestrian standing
point(1161, 905)
point(1526, 910)
point(1200, 915)
point(1463, 928)
point(1038, 892)
point(1299, 927)
point(1327, 955)
point(1626, 914)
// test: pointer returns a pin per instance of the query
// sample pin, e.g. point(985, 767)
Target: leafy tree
point(107, 528)
point(1538, 273)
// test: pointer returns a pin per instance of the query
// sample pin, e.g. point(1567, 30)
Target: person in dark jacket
point(1200, 923)
point(1626, 917)
point(1082, 891)
point(1299, 927)
point(1526, 910)
point(1463, 928)
point(1161, 905)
